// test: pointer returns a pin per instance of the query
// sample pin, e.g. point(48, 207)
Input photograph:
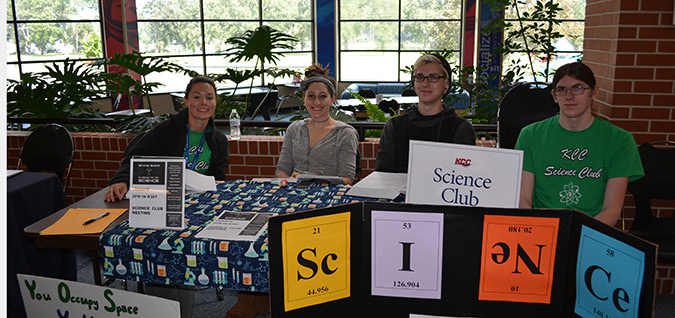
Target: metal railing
point(14, 123)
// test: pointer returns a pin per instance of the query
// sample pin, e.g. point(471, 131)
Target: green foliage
point(375, 114)
point(483, 97)
point(533, 33)
point(122, 83)
point(91, 45)
point(48, 38)
point(263, 45)
point(139, 123)
point(62, 92)
point(259, 44)
point(227, 102)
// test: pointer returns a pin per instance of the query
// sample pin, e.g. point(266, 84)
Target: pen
point(96, 218)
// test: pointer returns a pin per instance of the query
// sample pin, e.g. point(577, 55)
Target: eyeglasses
point(432, 78)
point(576, 90)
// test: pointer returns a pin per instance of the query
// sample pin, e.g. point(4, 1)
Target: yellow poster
point(316, 260)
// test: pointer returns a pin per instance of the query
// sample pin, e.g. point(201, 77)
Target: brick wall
point(98, 155)
point(630, 45)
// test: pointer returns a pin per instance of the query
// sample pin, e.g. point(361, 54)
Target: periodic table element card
point(316, 260)
point(609, 276)
point(518, 258)
point(406, 254)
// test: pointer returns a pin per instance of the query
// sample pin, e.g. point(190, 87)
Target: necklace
point(319, 122)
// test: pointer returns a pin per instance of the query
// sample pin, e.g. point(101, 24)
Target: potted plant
point(121, 82)
point(63, 91)
point(262, 45)
point(532, 33)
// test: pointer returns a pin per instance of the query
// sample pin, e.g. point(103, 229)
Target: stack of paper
point(197, 182)
point(382, 185)
point(73, 222)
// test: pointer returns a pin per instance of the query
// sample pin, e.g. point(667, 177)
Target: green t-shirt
point(571, 168)
point(204, 158)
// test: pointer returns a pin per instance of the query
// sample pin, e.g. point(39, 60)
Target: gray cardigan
point(334, 155)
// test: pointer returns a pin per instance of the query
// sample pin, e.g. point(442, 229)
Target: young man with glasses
point(430, 120)
point(575, 160)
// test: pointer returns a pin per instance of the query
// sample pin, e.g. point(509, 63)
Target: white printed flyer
point(237, 226)
point(157, 193)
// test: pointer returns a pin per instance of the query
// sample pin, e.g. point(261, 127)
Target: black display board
point(462, 248)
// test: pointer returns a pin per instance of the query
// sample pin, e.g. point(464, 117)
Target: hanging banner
point(121, 36)
point(469, 42)
point(488, 62)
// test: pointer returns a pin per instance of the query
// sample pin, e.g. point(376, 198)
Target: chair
point(389, 106)
point(658, 183)
point(408, 92)
point(522, 105)
point(367, 93)
point(287, 97)
point(50, 148)
point(178, 102)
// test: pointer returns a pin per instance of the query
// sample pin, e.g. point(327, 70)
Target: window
point(40, 32)
point(568, 48)
point(387, 36)
point(194, 36)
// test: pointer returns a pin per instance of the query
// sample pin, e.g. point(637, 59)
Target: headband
point(317, 78)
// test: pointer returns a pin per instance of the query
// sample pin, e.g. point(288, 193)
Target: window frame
point(399, 49)
point(259, 20)
point(14, 22)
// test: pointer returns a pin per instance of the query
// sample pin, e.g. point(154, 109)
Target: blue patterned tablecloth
point(177, 257)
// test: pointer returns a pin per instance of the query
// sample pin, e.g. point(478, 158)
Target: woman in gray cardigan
point(319, 145)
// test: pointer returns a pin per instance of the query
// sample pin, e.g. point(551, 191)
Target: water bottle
point(235, 132)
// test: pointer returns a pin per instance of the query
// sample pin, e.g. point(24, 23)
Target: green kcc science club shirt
point(204, 158)
point(571, 168)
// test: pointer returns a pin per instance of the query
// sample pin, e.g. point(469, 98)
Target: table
point(177, 257)
point(87, 242)
point(32, 196)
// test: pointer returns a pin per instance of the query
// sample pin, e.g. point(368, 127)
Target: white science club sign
point(452, 174)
